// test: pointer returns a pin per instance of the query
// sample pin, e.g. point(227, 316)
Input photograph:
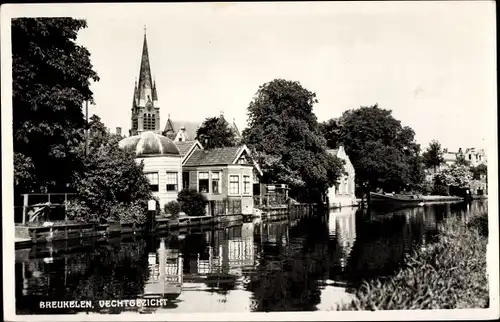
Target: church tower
point(145, 106)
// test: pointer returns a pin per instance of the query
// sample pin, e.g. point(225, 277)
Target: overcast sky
point(431, 63)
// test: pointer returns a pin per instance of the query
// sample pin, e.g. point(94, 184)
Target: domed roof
point(149, 144)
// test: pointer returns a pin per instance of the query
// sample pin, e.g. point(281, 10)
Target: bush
point(77, 210)
point(480, 223)
point(440, 190)
point(449, 274)
point(172, 208)
point(128, 213)
point(192, 202)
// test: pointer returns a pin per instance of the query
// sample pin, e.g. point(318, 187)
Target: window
point(215, 182)
point(234, 184)
point(246, 184)
point(153, 180)
point(149, 121)
point(203, 182)
point(171, 181)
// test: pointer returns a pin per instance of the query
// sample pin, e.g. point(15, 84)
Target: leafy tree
point(215, 132)
point(479, 170)
point(192, 202)
point(285, 137)
point(455, 175)
point(433, 156)
point(51, 79)
point(331, 131)
point(383, 152)
point(461, 161)
point(112, 186)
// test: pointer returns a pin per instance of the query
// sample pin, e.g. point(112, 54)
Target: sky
point(432, 63)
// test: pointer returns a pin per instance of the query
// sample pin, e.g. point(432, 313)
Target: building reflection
point(342, 226)
point(165, 273)
point(214, 259)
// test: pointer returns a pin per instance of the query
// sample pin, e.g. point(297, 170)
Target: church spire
point(146, 111)
point(145, 85)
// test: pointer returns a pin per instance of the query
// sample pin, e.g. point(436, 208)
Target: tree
point(383, 152)
point(460, 160)
point(479, 171)
point(192, 202)
point(286, 140)
point(433, 156)
point(456, 175)
point(51, 79)
point(111, 186)
point(215, 133)
point(331, 132)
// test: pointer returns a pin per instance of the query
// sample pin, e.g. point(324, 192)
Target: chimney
point(118, 130)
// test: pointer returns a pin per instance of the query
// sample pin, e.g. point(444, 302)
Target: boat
point(377, 198)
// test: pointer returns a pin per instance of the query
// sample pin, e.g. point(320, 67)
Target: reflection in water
point(309, 263)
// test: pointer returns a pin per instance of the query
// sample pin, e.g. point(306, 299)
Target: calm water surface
point(310, 264)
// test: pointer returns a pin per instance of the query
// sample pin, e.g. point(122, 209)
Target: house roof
point(149, 144)
point(190, 128)
point(184, 146)
point(218, 156)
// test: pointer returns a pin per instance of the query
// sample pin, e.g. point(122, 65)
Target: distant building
point(179, 131)
point(162, 163)
point(224, 176)
point(476, 156)
point(342, 194)
point(473, 155)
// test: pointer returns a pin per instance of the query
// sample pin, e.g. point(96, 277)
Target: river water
point(314, 263)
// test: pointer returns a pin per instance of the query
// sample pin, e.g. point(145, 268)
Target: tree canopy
point(284, 135)
point(112, 186)
point(51, 76)
point(433, 156)
point(382, 151)
point(455, 175)
point(215, 132)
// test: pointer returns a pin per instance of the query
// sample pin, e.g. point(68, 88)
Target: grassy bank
point(450, 274)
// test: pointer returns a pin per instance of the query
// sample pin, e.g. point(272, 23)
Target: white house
point(162, 163)
point(342, 194)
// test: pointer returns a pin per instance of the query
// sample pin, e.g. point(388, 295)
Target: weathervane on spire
point(144, 29)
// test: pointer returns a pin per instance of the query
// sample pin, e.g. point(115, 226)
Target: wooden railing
point(49, 200)
point(269, 200)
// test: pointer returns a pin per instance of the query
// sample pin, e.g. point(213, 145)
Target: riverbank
point(449, 274)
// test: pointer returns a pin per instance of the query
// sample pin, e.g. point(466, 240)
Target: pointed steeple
point(155, 95)
point(145, 108)
point(145, 80)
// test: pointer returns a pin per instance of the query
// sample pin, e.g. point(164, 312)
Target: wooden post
point(25, 207)
point(66, 207)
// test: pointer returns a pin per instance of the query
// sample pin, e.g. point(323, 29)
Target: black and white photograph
point(249, 161)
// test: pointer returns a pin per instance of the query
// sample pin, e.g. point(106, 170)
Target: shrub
point(440, 190)
point(128, 213)
point(480, 223)
point(77, 210)
point(192, 202)
point(449, 274)
point(173, 208)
